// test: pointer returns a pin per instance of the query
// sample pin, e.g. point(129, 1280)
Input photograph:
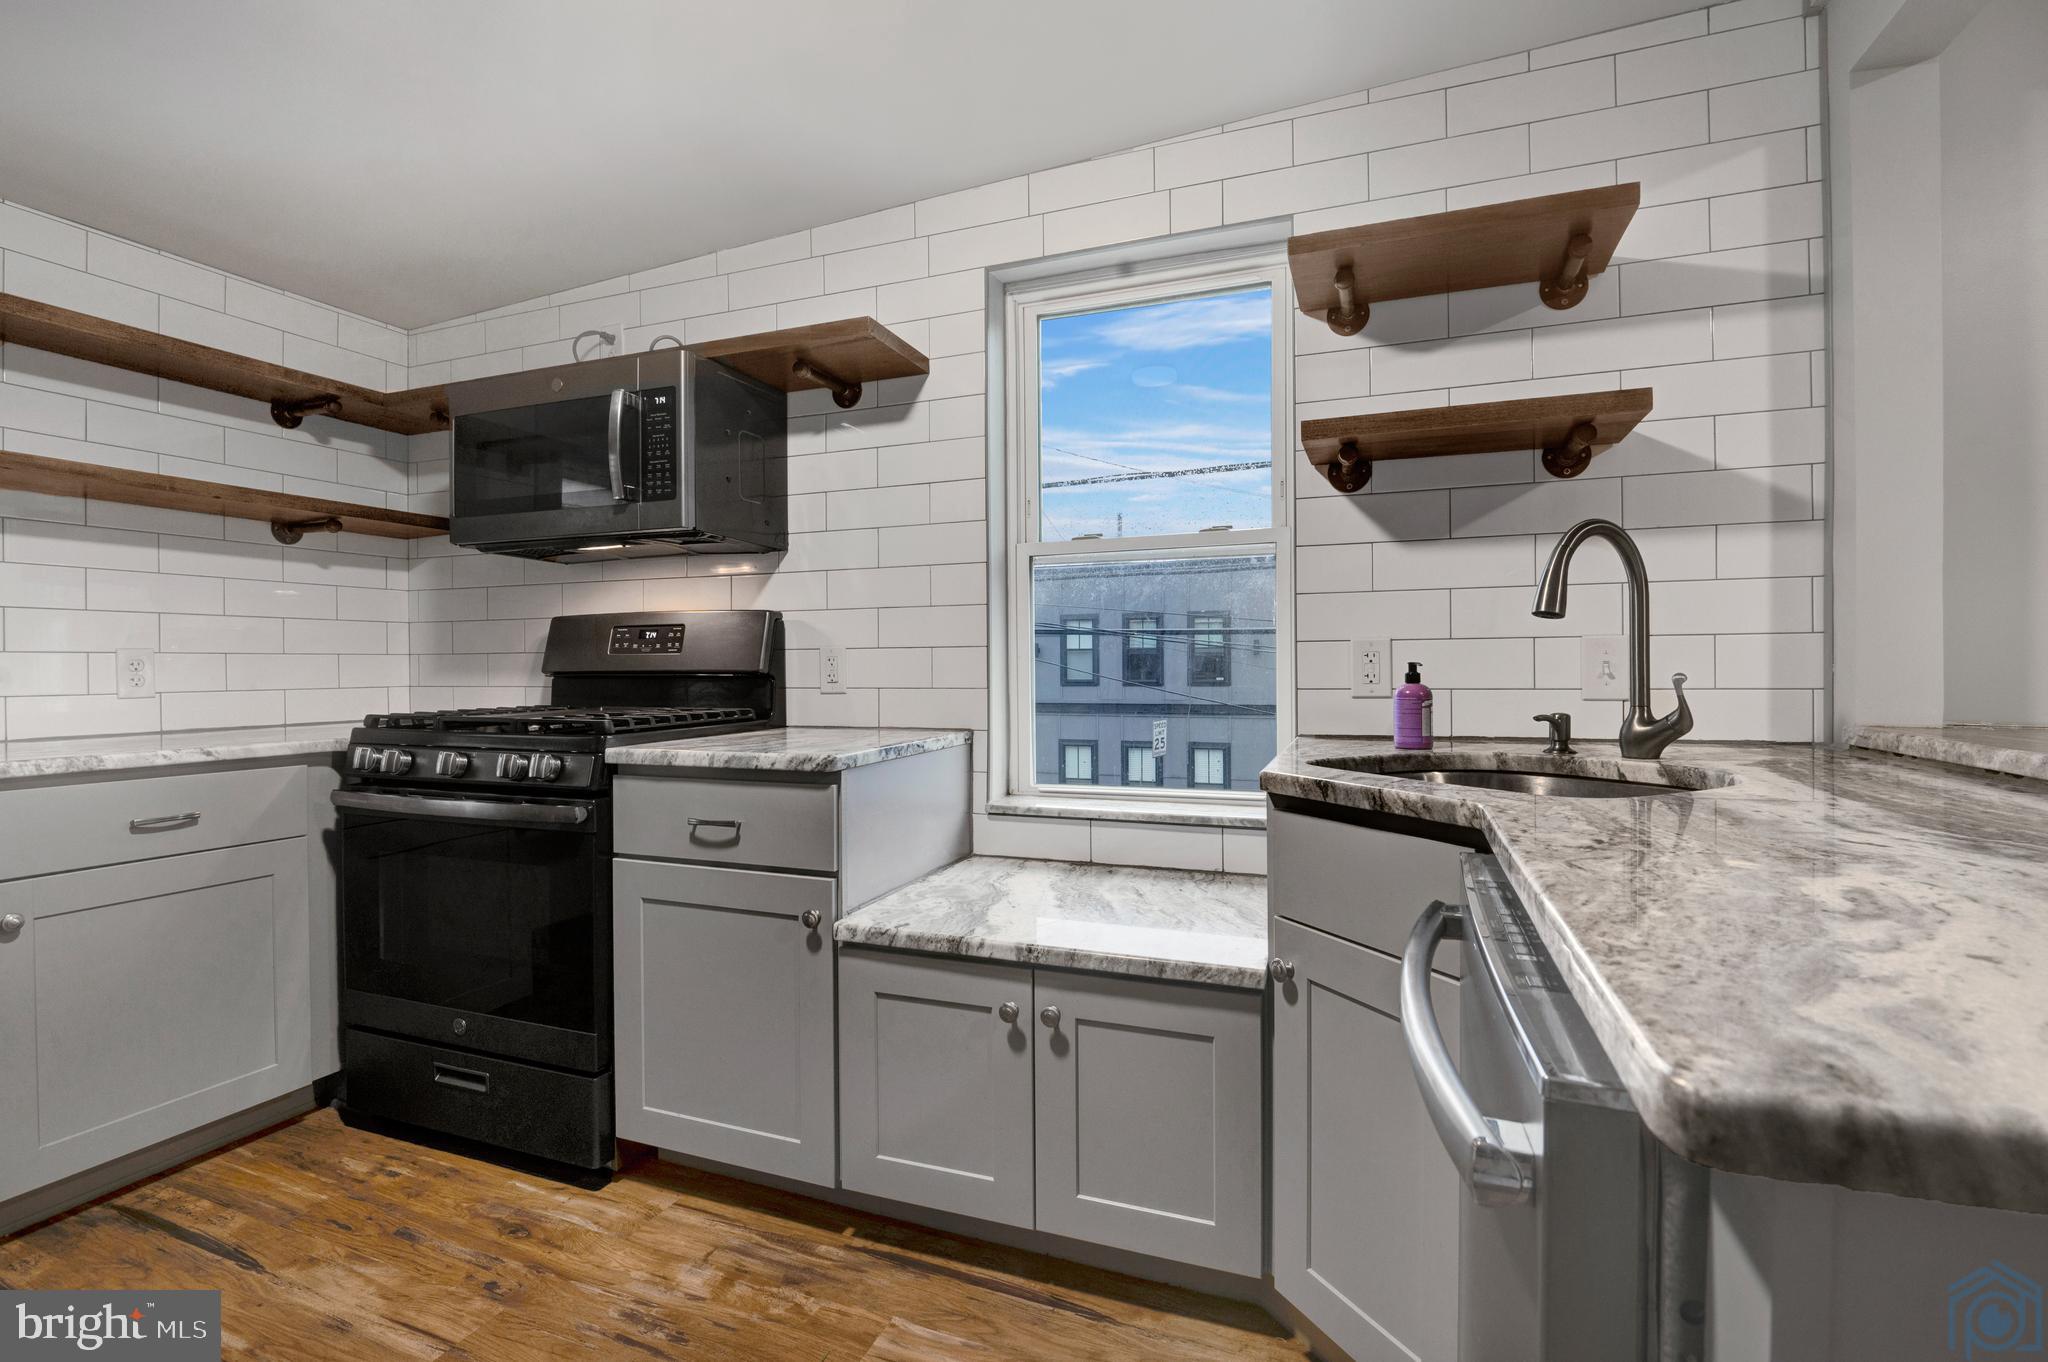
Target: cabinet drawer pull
point(733, 824)
point(1050, 1016)
point(1281, 970)
point(1008, 1012)
point(811, 917)
point(469, 1080)
point(158, 824)
point(12, 923)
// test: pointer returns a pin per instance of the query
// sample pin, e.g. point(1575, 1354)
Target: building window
point(1147, 427)
point(1077, 763)
point(1078, 651)
point(1144, 656)
point(1209, 650)
point(1209, 765)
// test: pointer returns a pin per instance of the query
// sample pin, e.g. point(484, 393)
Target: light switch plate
point(1603, 667)
point(1371, 673)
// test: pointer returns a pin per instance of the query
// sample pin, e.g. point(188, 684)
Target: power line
point(1141, 475)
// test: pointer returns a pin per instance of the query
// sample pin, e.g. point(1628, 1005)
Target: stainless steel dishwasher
point(1581, 1238)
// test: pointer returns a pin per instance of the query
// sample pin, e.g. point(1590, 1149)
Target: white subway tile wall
point(245, 630)
point(1713, 301)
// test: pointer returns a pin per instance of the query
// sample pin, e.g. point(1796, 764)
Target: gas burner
point(566, 720)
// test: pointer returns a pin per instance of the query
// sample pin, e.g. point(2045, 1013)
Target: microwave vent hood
point(631, 456)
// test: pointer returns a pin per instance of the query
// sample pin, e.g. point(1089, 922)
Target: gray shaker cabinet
point(723, 993)
point(1365, 1204)
point(140, 1001)
point(1150, 1117)
point(1128, 1115)
point(935, 1083)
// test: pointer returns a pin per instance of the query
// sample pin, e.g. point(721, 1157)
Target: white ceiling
point(419, 161)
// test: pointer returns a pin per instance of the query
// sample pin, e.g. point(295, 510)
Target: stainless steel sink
point(1571, 777)
point(1533, 782)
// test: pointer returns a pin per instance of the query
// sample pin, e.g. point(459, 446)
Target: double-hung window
point(1146, 439)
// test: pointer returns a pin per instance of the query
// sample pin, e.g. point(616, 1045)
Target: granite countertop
point(2015, 749)
point(1193, 926)
point(791, 749)
point(1830, 970)
point(136, 751)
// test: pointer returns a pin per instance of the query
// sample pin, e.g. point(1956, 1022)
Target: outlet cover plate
point(1603, 667)
point(134, 673)
point(831, 671)
point(1371, 672)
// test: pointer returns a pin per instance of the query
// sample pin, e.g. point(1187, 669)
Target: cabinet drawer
point(728, 822)
point(1360, 883)
point(107, 822)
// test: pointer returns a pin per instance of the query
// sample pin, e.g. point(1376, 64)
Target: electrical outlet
point(134, 673)
point(1370, 672)
point(1603, 673)
point(831, 671)
point(590, 342)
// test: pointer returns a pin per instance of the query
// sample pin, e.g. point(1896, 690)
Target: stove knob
point(395, 761)
point(546, 767)
point(451, 763)
point(512, 766)
point(362, 759)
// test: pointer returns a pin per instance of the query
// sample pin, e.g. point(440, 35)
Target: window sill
point(1245, 815)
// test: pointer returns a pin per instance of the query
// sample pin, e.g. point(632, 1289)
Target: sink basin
point(1576, 777)
point(1536, 782)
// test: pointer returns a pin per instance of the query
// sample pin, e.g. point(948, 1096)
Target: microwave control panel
point(646, 638)
point(658, 445)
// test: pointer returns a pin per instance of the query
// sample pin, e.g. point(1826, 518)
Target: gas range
point(476, 906)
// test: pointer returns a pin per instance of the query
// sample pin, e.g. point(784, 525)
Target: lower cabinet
point(140, 1001)
point(1120, 1111)
point(1365, 1203)
point(723, 1001)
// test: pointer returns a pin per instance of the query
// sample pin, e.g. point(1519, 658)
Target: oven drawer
point(780, 824)
point(542, 1112)
point(105, 822)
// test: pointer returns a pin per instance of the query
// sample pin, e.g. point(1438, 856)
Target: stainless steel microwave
point(635, 455)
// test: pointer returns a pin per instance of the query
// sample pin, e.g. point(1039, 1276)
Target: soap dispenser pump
point(1414, 713)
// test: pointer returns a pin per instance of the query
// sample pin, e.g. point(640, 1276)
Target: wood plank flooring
point(335, 1243)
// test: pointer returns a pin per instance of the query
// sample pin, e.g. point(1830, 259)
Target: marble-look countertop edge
point(1055, 957)
point(808, 749)
point(1961, 745)
point(152, 751)
point(1117, 811)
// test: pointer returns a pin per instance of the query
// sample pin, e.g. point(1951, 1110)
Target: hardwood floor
point(330, 1243)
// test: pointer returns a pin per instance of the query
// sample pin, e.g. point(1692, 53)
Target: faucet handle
point(1560, 732)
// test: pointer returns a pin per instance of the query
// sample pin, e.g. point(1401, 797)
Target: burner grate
point(563, 719)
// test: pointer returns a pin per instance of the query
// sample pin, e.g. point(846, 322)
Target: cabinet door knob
point(1050, 1016)
point(1008, 1012)
point(12, 923)
point(811, 918)
point(1281, 970)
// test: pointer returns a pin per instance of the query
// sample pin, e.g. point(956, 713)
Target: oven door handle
point(463, 810)
point(1480, 1147)
point(615, 438)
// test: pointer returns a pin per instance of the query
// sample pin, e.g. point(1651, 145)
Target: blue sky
point(1171, 385)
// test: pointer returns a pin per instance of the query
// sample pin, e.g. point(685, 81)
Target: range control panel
point(658, 444)
point(646, 638)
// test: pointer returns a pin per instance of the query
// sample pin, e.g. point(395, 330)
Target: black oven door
point(480, 923)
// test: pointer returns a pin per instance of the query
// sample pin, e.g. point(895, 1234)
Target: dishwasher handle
point(1497, 1175)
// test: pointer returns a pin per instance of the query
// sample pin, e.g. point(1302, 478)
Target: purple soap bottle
point(1413, 712)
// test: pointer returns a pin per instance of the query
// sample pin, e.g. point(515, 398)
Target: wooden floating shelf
point(840, 355)
point(292, 393)
point(1569, 430)
point(1556, 241)
point(290, 516)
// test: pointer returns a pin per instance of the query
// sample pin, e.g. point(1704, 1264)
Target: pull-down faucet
point(1643, 735)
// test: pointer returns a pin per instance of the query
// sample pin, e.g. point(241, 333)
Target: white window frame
point(1124, 277)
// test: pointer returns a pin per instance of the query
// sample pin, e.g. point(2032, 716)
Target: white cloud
point(1189, 323)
